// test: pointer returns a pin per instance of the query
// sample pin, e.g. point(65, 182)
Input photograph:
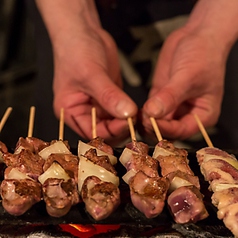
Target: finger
point(111, 98)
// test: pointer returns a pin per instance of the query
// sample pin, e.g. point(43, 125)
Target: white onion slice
point(126, 155)
point(231, 160)
point(16, 174)
point(161, 151)
point(127, 176)
point(19, 149)
point(178, 182)
point(54, 171)
point(87, 168)
point(56, 148)
point(222, 186)
point(83, 148)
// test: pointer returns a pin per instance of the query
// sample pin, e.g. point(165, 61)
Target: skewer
point(132, 130)
point(5, 117)
point(61, 124)
point(156, 129)
point(94, 131)
point(203, 131)
point(31, 121)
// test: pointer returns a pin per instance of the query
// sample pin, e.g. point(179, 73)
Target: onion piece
point(56, 148)
point(178, 182)
point(222, 186)
point(87, 168)
point(161, 151)
point(127, 176)
point(230, 160)
point(54, 171)
point(16, 174)
point(83, 148)
point(126, 155)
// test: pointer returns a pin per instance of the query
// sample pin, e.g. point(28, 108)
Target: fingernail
point(125, 108)
point(154, 107)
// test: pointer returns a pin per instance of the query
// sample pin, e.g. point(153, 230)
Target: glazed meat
point(59, 196)
point(148, 193)
point(25, 161)
point(98, 184)
point(19, 195)
point(139, 147)
point(101, 198)
point(30, 143)
point(102, 160)
point(186, 205)
point(67, 161)
point(140, 162)
point(98, 143)
point(173, 163)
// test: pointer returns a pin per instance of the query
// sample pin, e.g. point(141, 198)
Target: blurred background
point(26, 69)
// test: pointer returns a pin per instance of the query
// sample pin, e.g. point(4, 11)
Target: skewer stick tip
point(132, 130)
point(5, 117)
point(31, 121)
point(203, 131)
point(94, 123)
point(156, 129)
point(61, 125)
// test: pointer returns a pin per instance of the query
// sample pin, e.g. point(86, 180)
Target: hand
point(87, 74)
point(188, 79)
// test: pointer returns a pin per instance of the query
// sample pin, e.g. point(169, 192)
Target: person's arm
point(87, 71)
point(189, 76)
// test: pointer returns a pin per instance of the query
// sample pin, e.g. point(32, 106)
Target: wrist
point(64, 16)
point(215, 20)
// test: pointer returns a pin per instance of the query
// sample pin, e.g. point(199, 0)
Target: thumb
point(164, 101)
point(111, 98)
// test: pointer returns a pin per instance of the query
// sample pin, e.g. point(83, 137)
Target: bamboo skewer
point(5, 117)
point(61, 124)
point(156, 129)
point(132, 130)
point(94, 122)
point(31, 121)
point(203, 131)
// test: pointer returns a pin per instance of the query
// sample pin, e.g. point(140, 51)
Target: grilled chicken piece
point(26, 161)
point(148, 193)
point(59, 196)
point(19, 195)
point(101, 198)
point(98, 143)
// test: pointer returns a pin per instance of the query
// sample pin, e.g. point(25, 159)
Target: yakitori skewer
point(94, 122)
point(147, 189)
point(220, 169)
point(97, 178)
point(156, 129)
point(61, 124)
point(5, 117)
point(131, 128)
point(184, 199)
point(31, 121)
point(203, 131)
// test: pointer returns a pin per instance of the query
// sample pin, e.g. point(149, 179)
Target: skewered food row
point(220, 169)
point(59, 174)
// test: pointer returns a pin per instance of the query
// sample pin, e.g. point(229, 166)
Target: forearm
point(217, 19)
point(62, 15)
